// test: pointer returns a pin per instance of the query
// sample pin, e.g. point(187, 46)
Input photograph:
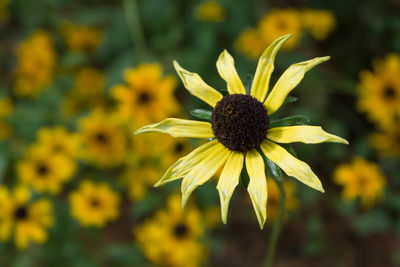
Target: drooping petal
point(291, 165)
point(228, 181)
point(257, 187)
point(180, 128)
point(182, 166)
point(226, 69)
point(289, 80)
point(203, 170)
point(302, 133)
point(197, 87)
point(265, 67)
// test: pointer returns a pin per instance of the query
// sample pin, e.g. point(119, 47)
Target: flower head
point(81, 37)
point(94, 204)
point(210, 11)
point(239, 129)
point(172, 236)
point(27, 221)
point(362, 179)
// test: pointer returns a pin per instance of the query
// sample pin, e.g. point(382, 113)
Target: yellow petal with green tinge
point(302, 133)
point(288, 81)
point(180, 128)
point(182, 166)
point(291, 165)
point(257, 187)
point(226, 69)
point(203, 170)
point(265, 67)
point(228, 181)
point(197, 87)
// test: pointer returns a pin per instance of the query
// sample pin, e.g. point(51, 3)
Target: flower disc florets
point(240, 122)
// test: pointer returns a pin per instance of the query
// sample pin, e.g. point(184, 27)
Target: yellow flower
point(239, 125)
point(250, 43)
point(210, 11)
point(279, 22)
point(27, 221)
point(94, 204)
point(379, 91)
point(387, 142)
point(318, 22)
point(361, 179)
point(36, 64)
point(138, 179)
point(171, 237)
point(87, 92)
point(6, 108)
point(147, 97)
point(291, 202)
point(45, 171)
point(103, 139)
point(81, 37)
point(59, 141)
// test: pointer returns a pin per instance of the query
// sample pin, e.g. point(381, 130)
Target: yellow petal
point(226, 69)
point(180, 128)
point(303, 133)
point(182, 166)
point(203, 170)
point(197, 87)
point(265, 67)
point(257, 187)
point(228, 181)
point(289, 80)
point(291, 165)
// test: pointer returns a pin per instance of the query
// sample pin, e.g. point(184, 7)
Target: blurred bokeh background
point(77, 78)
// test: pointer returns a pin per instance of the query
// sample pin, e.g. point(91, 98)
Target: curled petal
point(197, 87)
point(303, 133)
point(257, 187)
point(228, 181)
point(288, 81)
point(265, 67)
point(291, 165)
point(180, 128)
point(226, 68)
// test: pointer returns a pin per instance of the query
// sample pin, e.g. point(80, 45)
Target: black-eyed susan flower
point(87, 92)
point(387, 142)
point(172, 236)
point(240, 125)
point(58, 140)
point(104, 142)
point(379, 91)
point(26, 220)
point(319, 22)
point(291, 201)
point(138, 178)
point(94, 204)
point(81, 38)
point(45, 171)
point(210, 11)
point(360, 179)
point(36, 63)
point(147, 95)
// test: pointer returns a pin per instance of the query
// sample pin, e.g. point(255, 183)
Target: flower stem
point(134, 26)
point(276, 229)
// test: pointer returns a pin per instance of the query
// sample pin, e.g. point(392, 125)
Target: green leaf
point(290, 121)
point(289, 149)
point(273, 169)
point(201, 114)
point(290, 99)
point(248, 82)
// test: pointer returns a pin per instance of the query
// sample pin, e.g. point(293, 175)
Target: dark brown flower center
point(180, 230)
point(389, 92)
point(21, 213)
point(240, 122)
point(144, 98)
point(179, 147)
point(95, 203)
point(101, 138)
point(42, 169)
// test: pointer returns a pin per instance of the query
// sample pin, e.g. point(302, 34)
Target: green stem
point(134, 25)
point(276, 229)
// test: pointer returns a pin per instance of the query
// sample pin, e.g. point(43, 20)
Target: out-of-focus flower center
point(179, 147)
point(180, 230)
point(42, 169)
point(95, 203)
point(389, 92)
point(101, 138)
point(144, 98)
point(21, 213)
point(240, 122)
